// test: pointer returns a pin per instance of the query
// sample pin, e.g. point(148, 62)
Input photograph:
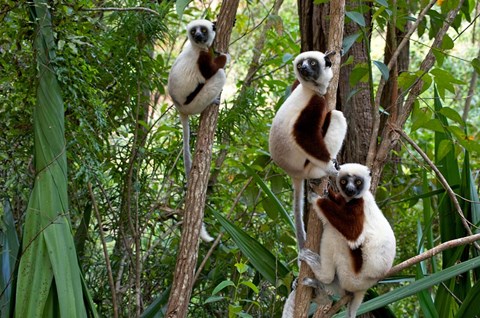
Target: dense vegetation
point(124, 188)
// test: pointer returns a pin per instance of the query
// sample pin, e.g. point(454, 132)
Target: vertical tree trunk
point(197, 185)
point(314, 23)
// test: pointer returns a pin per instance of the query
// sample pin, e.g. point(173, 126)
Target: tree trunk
point(197, 185)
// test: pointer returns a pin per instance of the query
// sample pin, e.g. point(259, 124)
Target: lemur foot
point(322, 295)
point(309, 256)
point(216, 101)
point(335, 164)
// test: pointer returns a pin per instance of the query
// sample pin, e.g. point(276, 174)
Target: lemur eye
point(192, 31)
point(299, 65)
point(204, 30)
point(313, 62)
point(358, 182)
point(343, 182)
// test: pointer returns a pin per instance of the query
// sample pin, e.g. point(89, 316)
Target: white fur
point(285, 151)
point(334, 266)
point(183, 79)
point(321, 85)
point(185, 76)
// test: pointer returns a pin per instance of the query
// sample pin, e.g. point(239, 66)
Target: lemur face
point(353, 180)
point(309, 69)
point(201, 32)
point(313, 67)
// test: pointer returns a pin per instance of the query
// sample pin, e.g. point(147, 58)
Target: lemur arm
point(209, 65)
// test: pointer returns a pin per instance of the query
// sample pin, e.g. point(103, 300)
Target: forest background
point(82, 84)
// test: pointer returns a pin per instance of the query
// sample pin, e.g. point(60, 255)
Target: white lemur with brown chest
point(305, 137)
point(358, 244)
point(195, 81)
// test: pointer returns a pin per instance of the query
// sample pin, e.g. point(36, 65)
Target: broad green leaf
point(444, 148)
point(452, 114)
point(382, 3)
point(434, 125)
point(154, 310)
point(383, 69)
point(419, 285)
point(8, 258)
point(49, 255)
point(356, 17)
point(260, 257)
point(469, 307)
point(348, 41)
point(222, 285)
point(273, 198)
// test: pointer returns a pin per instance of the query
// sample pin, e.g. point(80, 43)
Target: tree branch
point(393, 61)
point(183, 278)
point(432, 252)
point(141, 9)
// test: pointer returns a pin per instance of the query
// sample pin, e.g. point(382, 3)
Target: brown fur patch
point(209, 65)
point(357, 259)
point(307, 130)
point(346, 217)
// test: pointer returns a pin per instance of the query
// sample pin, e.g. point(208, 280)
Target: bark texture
point(197, 186)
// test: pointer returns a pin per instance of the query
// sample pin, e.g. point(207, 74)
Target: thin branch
point(381, 85)
point(471, 91)
point(442, 180)
point(432, 252)
point(105, 252)
point(140, 9)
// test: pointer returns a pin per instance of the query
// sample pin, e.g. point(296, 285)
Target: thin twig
point(432, 252)
point(141, 9)
point(105, 252)
point(442, 180)
point(381, 85)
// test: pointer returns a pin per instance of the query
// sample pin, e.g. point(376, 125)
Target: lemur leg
point(335, 133)
point(298, 212)
point(353, 305)
point(187, 156)
point(210, 92)
point(323, 269)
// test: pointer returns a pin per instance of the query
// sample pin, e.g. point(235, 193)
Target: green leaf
point(8, 258)
point(420, 116)
point(383, 69)
point(222, 285)
point(419, 285)
point(444, 148)
point(382, 3)
point(180, 6)
point(260, 257)
point(213, 299)
point(469, 307)
point(251, 286)
point(273, 198)
point(241, 267)
point(452, 114)
point(348, 41)
point(447, 42)
point(359, 74)
point(476, 65)
point(356, 17)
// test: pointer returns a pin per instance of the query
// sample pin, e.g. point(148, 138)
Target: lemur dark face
point(352, 185)
point(309, 69)
point(353, 180)
point(199, 34)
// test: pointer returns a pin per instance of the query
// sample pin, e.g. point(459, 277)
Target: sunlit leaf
point(222, 285)
point(383, 69)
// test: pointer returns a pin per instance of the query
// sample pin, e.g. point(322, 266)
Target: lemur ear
point(214, 25)
point(328, 63)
